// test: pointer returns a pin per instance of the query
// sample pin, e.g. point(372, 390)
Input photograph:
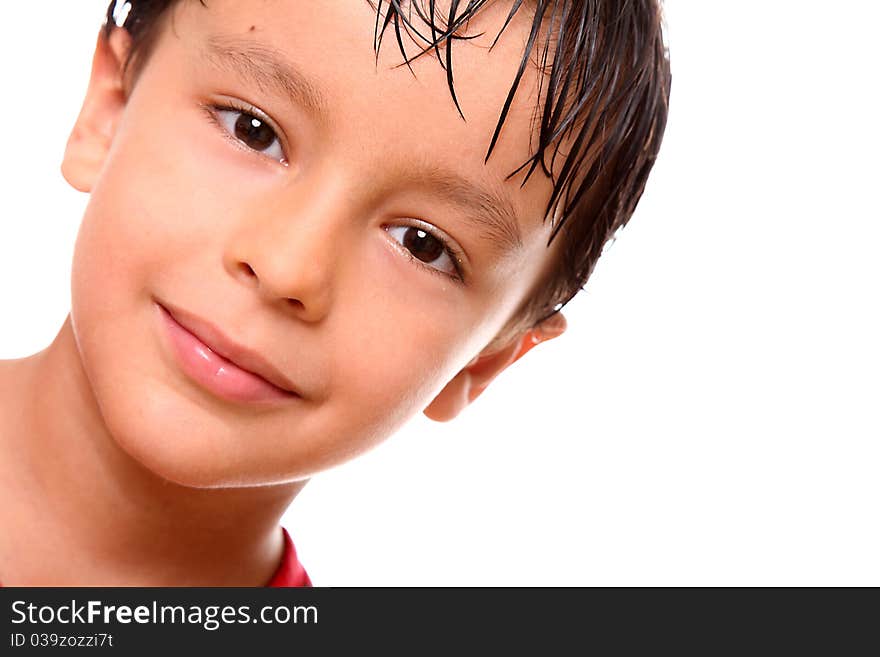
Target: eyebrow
point(264, 66)
point(491, 211)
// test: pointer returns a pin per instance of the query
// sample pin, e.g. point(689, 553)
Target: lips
point(219, 364)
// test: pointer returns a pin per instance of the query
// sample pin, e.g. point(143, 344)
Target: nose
point(289, 253)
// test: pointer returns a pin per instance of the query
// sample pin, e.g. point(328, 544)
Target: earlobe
point(102, 108)
point(474, 378)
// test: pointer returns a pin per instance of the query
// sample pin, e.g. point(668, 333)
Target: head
point(390, 227)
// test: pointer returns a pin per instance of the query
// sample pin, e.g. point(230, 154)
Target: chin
point(185, 442)
point(154, 433)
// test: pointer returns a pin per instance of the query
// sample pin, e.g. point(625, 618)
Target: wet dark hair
point(605, 102)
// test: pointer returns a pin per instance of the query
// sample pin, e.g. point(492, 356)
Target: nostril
point(247, 269)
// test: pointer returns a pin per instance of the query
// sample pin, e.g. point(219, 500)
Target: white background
point(711, 416)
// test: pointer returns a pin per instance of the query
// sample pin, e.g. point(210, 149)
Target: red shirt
point(290, 571)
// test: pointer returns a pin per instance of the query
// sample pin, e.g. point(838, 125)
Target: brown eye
point(423, 245)
point(254, 132)
point(427, 248)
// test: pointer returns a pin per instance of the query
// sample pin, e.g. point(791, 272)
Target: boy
point(254, 298)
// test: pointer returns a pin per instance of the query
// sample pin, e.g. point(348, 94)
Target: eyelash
point(448, 250)
point(212, 110)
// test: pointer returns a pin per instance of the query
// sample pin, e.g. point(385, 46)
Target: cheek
point(406, 330)
point(158, 210)
point(128, 222)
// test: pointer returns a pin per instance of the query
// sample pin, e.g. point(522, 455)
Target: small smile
point(219, 364)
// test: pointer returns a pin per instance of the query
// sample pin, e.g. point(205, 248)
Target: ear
point(470, 382)
point(95, 127)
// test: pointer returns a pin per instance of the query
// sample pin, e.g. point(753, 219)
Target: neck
point(86, 513)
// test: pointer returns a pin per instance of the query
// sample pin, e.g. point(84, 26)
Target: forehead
point(387, 119)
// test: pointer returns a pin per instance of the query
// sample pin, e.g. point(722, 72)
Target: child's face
point(295, 248)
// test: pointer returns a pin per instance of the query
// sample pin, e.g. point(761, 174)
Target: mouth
point(219, 364)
